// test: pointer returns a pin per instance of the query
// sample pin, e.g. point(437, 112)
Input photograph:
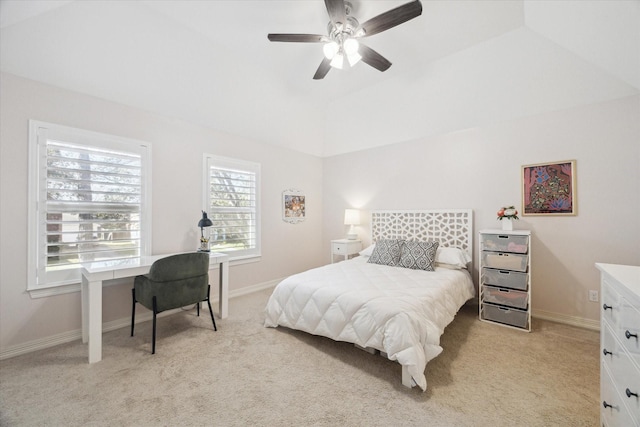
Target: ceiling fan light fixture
point(338, 61)
point(354, 58)
point(351, 46)
point(330, 49)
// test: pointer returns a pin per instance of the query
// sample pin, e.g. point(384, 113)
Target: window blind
point(233, 206)
point(89, 200)
point(93, 204)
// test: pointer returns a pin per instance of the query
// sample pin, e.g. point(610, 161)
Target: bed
point(387, 299)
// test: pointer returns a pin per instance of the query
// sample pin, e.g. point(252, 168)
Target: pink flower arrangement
point(508, 212)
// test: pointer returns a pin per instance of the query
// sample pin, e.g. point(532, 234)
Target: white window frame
point(210, 160)
point(39, 283)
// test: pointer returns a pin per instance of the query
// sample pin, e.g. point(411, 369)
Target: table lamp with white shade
point(351, 218)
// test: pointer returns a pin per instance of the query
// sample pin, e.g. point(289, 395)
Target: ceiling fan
point(344, 32)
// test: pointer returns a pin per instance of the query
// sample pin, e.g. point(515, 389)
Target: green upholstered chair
point(173, 282)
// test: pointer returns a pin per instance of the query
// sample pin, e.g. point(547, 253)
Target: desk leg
point(94, 320)
point(224, 290)
point(84, 301)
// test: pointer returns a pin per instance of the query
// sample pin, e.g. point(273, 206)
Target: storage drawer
point(610, 309)
point(612, 404)
point(628, 330)
point(505, 279)
point(619, 365)
point(505, 243)
point(505, 261)
point(508, 297)
point(509, 316)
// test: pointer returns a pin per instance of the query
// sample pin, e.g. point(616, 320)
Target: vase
point(507, 224)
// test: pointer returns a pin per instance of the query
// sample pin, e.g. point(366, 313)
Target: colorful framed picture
point(549, 188)
point(293, 206)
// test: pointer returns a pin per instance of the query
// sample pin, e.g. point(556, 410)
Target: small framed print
point(293, 206)
point(549, 188)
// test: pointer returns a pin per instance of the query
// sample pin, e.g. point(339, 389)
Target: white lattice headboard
point(449, 227)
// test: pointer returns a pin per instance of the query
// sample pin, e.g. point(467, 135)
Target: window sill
point(50, 291)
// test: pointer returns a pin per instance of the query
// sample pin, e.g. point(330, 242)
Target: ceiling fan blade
point(323, 69)
point(391, 18)
point(336, 10)
point(297, 38)
point(373, 58)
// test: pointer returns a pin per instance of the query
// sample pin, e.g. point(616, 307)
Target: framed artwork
point(549, 188)
point(293, 206)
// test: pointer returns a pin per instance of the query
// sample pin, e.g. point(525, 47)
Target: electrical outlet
point(593, 296)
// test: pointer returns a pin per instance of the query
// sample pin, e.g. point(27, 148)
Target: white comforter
point(400, 311)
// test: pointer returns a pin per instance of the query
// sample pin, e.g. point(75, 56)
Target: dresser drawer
point(612, 406)
point(628, 329)
point(508, 316)
point(505, 243)
point(610, 304)
point(505, 279)
point(505, 261)
point(619, 365)
point(508, 297)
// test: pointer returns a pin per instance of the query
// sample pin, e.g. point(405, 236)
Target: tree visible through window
point(89, 194)
point(233, 195)
point(93, 205)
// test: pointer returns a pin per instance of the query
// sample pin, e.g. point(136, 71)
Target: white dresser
point(620, 345)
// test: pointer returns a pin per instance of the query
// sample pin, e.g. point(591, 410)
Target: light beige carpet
point(248, 375)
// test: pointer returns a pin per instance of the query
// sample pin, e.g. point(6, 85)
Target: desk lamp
point(204, 242)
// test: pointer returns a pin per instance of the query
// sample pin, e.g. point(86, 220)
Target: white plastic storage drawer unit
point(506, 297)
point(518, 244)
point(504, 315)
point(505, 278)
point(505, 261)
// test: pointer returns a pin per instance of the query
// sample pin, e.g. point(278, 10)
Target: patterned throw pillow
point(386, 252)
point(418, 255)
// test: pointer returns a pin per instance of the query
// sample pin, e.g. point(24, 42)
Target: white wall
point(178, 149)
point(480, 169)
point(477, 168)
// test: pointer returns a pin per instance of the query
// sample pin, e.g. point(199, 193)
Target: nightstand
point(345, 247)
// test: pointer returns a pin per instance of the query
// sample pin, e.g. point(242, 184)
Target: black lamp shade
point(204, 222)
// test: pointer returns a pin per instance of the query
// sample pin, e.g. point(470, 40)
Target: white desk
point(95, 273)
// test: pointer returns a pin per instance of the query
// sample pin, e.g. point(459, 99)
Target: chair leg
point(198, 309)
point(210, 310)
point(153, 337)
point(133, 310)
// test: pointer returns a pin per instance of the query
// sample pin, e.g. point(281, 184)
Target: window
point(89, 202)
point(233, 199)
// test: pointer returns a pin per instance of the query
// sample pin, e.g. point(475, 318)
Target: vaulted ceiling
point(461, 64)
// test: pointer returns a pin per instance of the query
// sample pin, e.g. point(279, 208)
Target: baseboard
point(581, 322)
point(65, 337)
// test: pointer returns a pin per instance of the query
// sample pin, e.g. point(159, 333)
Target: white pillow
point(452, 257)
point(368, 251)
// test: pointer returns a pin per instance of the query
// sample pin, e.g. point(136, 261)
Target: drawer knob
point(606, 405)
point(606, 307)
point(630, 393)
point(629, 335)
point(605, 352)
